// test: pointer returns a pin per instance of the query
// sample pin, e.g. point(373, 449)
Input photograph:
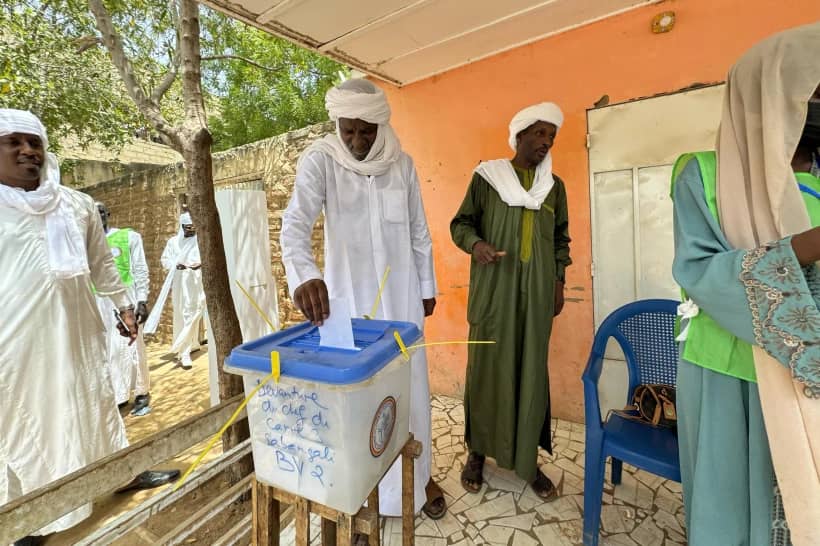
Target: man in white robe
point(128, 363)
point(374, 218)
point(57, 409)
point(181, 259)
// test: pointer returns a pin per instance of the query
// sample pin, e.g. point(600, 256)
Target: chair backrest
point(645, 330)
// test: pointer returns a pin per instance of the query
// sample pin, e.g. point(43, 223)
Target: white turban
point(500, 174)
point(546, 111)
point(359, 99)
point(185, 219)
point(21, 121)
point(67, 256)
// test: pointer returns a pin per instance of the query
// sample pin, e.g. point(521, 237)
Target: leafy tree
point(46, 67)
point(261, 85)
point(254, 85)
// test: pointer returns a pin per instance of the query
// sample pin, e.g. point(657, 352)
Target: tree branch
point(244, 60)
point(114, 44)
point(173, 70)
point(167, 80)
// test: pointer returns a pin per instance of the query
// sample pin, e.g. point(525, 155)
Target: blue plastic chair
point(645, 331)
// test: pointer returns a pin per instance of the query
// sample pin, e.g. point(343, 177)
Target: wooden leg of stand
point(373, 504)
point(328, 532)
point(302, 522)
point(265, 516)
point(345, 533)
point(408, 523)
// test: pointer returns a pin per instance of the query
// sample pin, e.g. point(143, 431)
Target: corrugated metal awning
point(403, 41)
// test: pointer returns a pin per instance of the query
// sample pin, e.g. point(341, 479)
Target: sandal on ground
point(150, 479)
point(544, 488)
point(436, 505)
point(472, 476)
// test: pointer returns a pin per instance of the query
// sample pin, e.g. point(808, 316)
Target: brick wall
point(147, 201)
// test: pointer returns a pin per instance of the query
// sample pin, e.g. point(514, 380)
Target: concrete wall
point(147, 201)
point(451, 121)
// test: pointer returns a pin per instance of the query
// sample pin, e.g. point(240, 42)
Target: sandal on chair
point(472, 476)
point(436, 505)
point(544, 488)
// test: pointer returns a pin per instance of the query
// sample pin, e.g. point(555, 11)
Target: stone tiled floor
point(643, 510)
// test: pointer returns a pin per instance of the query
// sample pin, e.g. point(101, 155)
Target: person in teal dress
point(746, 243)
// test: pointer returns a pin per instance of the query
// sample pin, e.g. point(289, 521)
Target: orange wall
point(451, 121)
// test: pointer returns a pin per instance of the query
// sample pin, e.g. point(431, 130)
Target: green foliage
point(42, 70)
point(252, 103)
point(51, 62)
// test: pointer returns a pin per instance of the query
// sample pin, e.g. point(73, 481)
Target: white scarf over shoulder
point(359, 99)
point(67, 255)
point(500, 172)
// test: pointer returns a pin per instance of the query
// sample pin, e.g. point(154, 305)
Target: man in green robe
point(513, 222)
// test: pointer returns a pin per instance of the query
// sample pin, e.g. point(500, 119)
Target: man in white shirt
point(374, 218)
point(57, 409)
point(128, 364)
point(182, 261)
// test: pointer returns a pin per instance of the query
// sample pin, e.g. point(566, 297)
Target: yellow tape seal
point(256, 306)
point(275, 367)
point(375, 307)
point(402, 346)
point(274, 356)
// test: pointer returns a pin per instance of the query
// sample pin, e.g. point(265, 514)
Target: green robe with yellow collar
point(506, 398)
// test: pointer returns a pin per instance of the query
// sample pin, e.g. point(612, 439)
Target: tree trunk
point(225, 329)
point(193, 140)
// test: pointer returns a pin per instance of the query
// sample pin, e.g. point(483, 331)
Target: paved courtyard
point(644, 510)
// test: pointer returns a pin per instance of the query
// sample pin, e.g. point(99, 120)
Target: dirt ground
point(176, 394)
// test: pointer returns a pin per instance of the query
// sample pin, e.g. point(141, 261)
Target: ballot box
point(337, 418)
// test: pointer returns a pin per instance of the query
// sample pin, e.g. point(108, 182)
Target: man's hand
point(486, 254)
point(127, 324)
point(181, 267)
point(142, 312)
point(429, 305)
point(312, 300)
point(559, 298)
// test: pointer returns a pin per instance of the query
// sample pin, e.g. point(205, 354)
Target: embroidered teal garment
point(763, 297)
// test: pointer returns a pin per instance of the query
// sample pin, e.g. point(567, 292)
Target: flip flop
point(436, 505)
point(142, 405)
point(544, 488)
point(150, 479)
point(472, 476)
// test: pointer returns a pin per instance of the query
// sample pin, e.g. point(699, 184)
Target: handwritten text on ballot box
point(329, 429)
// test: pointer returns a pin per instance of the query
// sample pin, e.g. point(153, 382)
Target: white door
point(632, 148)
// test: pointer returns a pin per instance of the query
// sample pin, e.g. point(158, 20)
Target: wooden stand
point(337, 527)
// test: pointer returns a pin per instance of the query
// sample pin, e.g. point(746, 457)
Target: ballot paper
point(337, 330)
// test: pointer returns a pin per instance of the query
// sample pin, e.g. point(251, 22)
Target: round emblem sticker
point(116, 252)
point(382, 429)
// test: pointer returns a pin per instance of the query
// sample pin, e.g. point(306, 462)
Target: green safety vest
point(708, 344)
point(121, 250)
point(810, 190)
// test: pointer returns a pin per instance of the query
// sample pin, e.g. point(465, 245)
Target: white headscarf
point(500, 172)
point(188, 246)
point(359, 99)
point(67, 255)
point(764, 112)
